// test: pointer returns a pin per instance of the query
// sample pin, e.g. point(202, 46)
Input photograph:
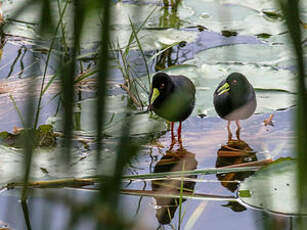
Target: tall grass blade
point(180, 199)
point(190, 173)
point(109, 191)
point(25, 210)
point(67, 76)
point(138, 29)
point(163, 50)
point(102, 75)
point(291, 10)
point(42, 90)
point(141, 50)
point(30, 120)
point(18, 111)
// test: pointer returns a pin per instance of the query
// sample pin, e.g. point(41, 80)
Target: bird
point(172, 97)
point(235, 99)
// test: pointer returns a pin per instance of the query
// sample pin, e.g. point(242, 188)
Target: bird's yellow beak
point(223, 89)
point(155, 94)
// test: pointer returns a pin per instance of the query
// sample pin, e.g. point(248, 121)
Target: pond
point(205, 40)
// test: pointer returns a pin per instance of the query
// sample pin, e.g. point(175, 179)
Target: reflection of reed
point(1, 14)
point(12, 66)
point(169, 19)
point(171, 3)
point(2, 35)
point(169, 57)
point(233, 153)
point(172, 161)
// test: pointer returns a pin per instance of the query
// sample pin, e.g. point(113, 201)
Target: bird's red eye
point(234, 81)
point(162, 86)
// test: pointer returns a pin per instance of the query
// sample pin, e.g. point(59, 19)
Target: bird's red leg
point(179, 133)
point(238, 130)
point(173, 137)
point(229, 131)
point(172, 133)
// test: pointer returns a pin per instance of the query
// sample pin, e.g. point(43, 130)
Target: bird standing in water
point(235, 100)
point(172, 98)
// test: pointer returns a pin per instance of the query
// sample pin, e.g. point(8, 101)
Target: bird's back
point(182, 99)
point(184, 84)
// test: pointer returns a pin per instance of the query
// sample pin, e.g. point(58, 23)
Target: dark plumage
point(172, 97)
point(235, 99)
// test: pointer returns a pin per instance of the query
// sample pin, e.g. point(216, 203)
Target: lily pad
point(259, 54)
point(11, 164)
point(154, 39)
point(117, 110)
point(24, 24)
point(151, 37)
point(273, 189)
point(46, 163)
point(218, 16)
point(256, 5)
point(137, 13)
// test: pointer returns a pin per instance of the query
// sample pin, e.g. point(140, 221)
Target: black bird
point(173, 98)
point(235, 100)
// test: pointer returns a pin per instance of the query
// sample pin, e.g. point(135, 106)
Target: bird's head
point(236, 83)
point(162, 86)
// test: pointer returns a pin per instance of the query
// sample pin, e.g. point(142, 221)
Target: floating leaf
point(258, 54)
point(225, 15)
point(273, 188)
point(117, 110)
point(244, 193)
point(155, 39)
point(45, 163)
point(228, 33)
point(256, 5)
point(263, 35)
point(271, 13)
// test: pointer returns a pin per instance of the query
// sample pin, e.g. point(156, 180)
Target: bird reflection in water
point(234, 153)
point(179, 160)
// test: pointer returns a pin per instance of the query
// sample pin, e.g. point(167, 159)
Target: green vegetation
point(75, 115)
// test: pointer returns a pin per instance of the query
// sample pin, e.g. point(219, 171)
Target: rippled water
point(203, 140)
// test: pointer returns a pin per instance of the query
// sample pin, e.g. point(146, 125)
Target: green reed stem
point(42, 91)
